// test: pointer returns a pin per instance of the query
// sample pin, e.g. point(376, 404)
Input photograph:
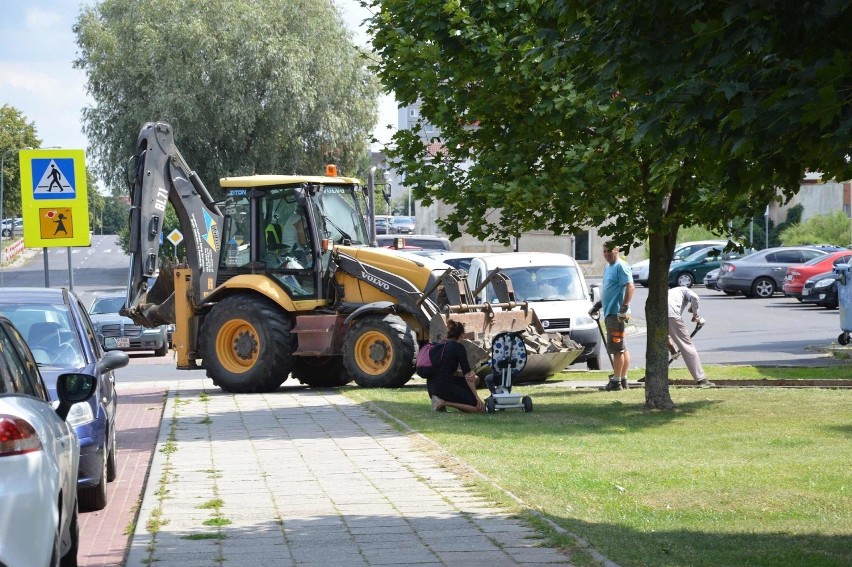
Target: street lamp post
point(2, 194)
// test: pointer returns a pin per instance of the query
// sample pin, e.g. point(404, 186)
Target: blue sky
point(37, 50)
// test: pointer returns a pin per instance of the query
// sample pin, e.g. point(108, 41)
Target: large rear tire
point(246, 344)
point(380, 351)
point(320, 371)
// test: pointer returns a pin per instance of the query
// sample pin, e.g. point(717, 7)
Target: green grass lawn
point(734, 476)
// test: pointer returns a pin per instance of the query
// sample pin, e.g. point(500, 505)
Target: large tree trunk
point(657, 394)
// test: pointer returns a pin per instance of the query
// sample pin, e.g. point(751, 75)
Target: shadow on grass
point(575, 417)
point(669, 548)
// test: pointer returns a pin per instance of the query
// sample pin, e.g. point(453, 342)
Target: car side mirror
point(594, 293)
point(112, 360)
point(72, 389)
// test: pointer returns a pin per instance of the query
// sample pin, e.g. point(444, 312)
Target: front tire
point(528, 406)
point(95, 497)
point(320, 371)
point(763, 287)
point(685, 279)
point(247, 345)
point(112, 465)
point(380, 352)
point(594, 363)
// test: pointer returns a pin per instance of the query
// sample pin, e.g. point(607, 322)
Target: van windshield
point(544, 283)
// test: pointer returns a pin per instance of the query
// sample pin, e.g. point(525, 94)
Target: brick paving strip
point(104, 535)
point(309, 477)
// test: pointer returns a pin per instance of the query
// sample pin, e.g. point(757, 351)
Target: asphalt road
point(778, 330)
point(775, 331)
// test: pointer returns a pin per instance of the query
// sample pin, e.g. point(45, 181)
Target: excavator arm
point(160, 175)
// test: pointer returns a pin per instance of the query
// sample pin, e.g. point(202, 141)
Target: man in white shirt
point(679, 298)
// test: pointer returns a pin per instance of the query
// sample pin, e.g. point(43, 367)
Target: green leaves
point(268, 86)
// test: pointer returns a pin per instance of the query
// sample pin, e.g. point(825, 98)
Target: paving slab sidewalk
point(309, 477)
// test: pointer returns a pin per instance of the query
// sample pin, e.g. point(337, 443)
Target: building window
point(412, 113)
point(581, 246)
point(429, 128)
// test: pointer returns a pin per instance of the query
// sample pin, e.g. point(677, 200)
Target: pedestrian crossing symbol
point(55, 178)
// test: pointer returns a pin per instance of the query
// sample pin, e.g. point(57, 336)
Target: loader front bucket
point(547, 353)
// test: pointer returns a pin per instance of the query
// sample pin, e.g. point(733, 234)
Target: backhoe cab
point(279, 279)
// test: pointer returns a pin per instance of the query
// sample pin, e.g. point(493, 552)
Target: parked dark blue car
point(62, 339)
point(822, 290)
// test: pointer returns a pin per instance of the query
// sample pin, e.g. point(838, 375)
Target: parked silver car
point(39, 454)
point(401, 225)
point(762, 274)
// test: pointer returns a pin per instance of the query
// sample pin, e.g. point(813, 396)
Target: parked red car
point(797, 275)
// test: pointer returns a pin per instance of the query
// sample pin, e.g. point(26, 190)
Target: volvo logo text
point(375, 281)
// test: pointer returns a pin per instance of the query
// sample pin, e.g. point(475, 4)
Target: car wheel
point(594, 363)
point(685, 279)
point(763, 287)
point(527, 401)
point(112, 469)
point(7, 232)
point(95, 497)
point(70, 558)
point(54, 557)
point(163, 350)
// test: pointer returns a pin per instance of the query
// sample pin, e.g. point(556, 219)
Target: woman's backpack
point(429, 357)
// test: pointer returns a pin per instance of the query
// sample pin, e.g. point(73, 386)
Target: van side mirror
point(595, 293)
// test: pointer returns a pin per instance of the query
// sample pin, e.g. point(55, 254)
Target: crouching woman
point(448, 389)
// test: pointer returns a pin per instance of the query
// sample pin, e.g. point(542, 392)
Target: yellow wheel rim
point(237, 346)
point(373, 353)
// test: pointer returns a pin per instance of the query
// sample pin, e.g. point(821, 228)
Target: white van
point(554, 286)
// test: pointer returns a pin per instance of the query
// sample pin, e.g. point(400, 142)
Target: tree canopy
point(15, 133)
point(636, 118)
point(261, 86)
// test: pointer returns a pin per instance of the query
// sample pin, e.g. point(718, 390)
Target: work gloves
point(623, 315)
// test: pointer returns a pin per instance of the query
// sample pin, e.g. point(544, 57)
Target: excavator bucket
point(547, 353)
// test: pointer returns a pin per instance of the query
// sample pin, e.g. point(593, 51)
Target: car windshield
point(544, 283)
point(49, 332)
point(816, 260)
point(704, 253)
point(107, 305)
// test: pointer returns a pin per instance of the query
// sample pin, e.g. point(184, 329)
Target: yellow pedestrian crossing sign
point(54, 198)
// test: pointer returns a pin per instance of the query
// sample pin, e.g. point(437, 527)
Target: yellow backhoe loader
point(280, 279)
